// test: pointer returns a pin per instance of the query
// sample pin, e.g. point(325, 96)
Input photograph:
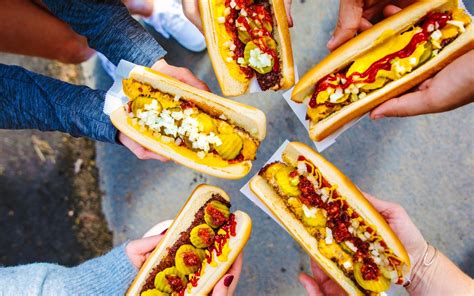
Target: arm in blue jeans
point(32, 101)
point(110, 274)
point(109, 29)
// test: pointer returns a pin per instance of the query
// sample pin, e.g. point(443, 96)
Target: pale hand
point(412, 239)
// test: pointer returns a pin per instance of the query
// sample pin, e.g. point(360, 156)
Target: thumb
point(310, 285)
point(350, 16)
point(414, 103)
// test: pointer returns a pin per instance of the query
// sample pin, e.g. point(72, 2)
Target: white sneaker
point(168, 19)
point(107, 65)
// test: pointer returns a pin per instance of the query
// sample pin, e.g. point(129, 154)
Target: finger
point(191, 11)
point(318, 273)
point(144, 245)
point(147, 154)
point(228, 283)
point(288, 12)
point(364, 24)
point(414, 103)
point(380, 205)
point(188, 77)
point(310, 285)
point(390, 10)
point(350, 14)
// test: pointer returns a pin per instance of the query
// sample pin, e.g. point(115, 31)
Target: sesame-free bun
point(250, 119)
point(211, 274)
point(275, 203)
point(235, 86)
point(359, 45)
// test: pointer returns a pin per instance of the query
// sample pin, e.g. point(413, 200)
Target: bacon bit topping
point(369, 269)
point(217, 216)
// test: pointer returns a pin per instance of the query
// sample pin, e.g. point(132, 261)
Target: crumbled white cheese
point(221, 20)
point(229, 59)
point(243, 12)
point(413, 61)
point(328, 240)
point(366, 234)
point(301, 168)
point(355, 223)
point(227, 11)
point(458, 24)
point(309, 212)
point(313, 181)
point(354, 89)
point(436, 35)
point(431, 28)
point(347, 264)
point(241, 61)
point(338, 94)
point(351, 246)
point(259, 59)
point(343, 81)
point(324, 194)
point(232, 46)
point(232, 4)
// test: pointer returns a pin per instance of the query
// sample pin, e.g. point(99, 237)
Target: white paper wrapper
point(249, 194)
point(115, 97)
point(245, 190)
point(300, 111)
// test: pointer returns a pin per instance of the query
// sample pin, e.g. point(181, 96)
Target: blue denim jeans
point(32, 101)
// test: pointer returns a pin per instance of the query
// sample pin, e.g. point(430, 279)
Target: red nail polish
point(164, 231)
point(228, 280)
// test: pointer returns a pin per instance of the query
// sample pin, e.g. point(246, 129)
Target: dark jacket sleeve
point(32, 101)
point(109, 29)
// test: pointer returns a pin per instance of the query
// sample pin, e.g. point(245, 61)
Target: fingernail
point(378, 116)
point(228, 280)
point(164, 231)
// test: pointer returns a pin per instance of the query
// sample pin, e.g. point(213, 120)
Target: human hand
point(359, 15)
point(449, 89)
point(139, 250)
point(139, 151)
point(180, 73)
point(191, 11)
point(183, 75)
point(398, 219)
point(226, 286)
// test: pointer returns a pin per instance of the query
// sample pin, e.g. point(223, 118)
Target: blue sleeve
point(32, 101)
point(110, 274)
point(109, 29)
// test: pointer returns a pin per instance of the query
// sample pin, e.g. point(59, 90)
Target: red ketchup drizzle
point(261, 15)
point(432, 21)
point(220, 240)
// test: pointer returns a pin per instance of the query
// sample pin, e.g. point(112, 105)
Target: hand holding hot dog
point(449, 89)
point(440, 276)
point(182, 74)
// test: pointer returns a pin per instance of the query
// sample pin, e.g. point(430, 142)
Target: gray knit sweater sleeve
point(110, 274)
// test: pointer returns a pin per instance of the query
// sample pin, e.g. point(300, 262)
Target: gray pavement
point(424, 163)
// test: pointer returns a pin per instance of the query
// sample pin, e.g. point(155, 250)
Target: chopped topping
point(259, 59)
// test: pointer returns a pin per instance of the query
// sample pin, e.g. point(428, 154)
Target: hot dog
point(246, 39)
point(197, 250)
point(330, 218)
point(195, 128)
point(383, 62)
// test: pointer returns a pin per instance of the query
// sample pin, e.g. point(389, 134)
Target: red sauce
point(186, 105)
point(258, 14)
point(369, 270)
point(220, 240)
point(175, 282)
point(432, 21)
point(206, 235)
point(217, 217)
point(191, 259)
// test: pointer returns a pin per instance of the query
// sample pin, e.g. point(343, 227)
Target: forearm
point(110, 29)
point(441, 277)
point(110, 274)
point(32, 101)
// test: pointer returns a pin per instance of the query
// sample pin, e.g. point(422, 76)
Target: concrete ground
point(49, 194)
point(425, 163)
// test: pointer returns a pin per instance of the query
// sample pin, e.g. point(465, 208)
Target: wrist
point(422, 269)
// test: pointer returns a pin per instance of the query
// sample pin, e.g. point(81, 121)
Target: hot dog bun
point(212, 274)
point(238, 84)
point(346, 188)
point(360, 44)
point(246, 117)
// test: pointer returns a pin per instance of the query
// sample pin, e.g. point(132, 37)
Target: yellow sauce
point(217, 8)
